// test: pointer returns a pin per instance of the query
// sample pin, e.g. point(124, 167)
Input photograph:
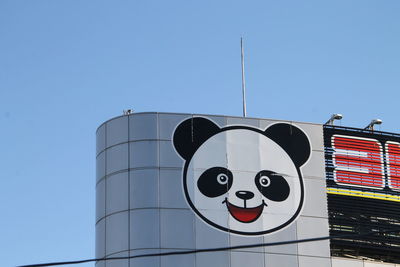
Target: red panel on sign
point(393, 162)
point(358, 161)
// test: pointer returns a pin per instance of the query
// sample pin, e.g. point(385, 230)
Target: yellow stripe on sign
point(355, 193)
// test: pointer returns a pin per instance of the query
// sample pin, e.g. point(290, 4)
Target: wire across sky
point(314, 239)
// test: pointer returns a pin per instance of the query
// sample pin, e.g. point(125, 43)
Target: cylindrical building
point(174, 182)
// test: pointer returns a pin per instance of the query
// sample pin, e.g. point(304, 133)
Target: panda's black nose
point(245, 195)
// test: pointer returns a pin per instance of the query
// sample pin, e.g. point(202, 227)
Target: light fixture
point(370, 126)
point(334, 117)
point(128, 111)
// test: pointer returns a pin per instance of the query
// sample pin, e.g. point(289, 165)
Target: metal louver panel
point(363, 183)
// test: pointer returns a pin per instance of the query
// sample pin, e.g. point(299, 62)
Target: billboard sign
point(363, 186)
point(242, 179)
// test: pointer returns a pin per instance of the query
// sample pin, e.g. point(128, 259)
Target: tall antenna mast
point(243, 78)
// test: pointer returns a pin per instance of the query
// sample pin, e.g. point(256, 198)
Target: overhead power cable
point(214, 249)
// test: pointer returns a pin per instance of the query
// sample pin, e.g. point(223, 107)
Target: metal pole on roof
point(243, 78)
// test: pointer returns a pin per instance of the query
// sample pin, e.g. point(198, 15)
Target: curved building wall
point(141, 206)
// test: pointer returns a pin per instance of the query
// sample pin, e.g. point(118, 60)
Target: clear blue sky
point(67, 66)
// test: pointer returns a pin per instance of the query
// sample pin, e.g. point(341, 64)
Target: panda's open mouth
point(244, 215)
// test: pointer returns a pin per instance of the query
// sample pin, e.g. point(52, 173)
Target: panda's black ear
point(191, 134)
point(292, 140)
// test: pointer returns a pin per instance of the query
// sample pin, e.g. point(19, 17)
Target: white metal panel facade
point(141, 206)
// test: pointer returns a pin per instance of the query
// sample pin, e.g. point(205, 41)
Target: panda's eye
point(222, 178)
point(265, 181)
point(215, 181)
point(272, 185)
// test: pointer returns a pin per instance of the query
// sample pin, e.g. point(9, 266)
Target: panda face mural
point(241, 179)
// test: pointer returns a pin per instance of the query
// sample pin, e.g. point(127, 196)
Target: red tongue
point(245, 215)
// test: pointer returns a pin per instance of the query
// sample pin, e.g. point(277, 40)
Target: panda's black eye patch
point(273, 186)
point(215, 181)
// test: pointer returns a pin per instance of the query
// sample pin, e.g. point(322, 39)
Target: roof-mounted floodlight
point(128, 111)
point(370, 126)
point(333, 118)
